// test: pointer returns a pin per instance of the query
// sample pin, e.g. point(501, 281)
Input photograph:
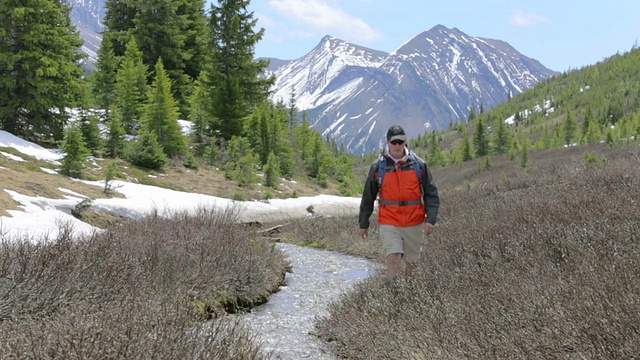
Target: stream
point(318, 278)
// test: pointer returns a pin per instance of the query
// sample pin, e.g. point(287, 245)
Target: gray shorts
point(407, 240)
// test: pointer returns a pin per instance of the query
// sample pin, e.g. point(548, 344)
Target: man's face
point(396, 148)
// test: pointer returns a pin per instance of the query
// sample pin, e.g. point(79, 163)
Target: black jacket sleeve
point(430, 196)
point(369, 195)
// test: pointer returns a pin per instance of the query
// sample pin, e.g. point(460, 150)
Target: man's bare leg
point(394, 264)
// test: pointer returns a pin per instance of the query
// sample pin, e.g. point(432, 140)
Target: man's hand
point(428, 228)
point(364, 233)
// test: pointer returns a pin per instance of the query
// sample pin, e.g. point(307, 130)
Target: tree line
point(598, 103)
point(160, 61)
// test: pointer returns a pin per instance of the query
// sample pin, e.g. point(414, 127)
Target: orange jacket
point(402, 200)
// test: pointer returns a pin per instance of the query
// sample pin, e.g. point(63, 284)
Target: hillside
point(598, 103)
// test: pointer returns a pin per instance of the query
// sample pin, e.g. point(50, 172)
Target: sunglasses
point(397, 142)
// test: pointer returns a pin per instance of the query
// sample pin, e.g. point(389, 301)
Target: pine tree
point(39, 68)
point(237, 87)
point(75, 152)
point(160, 116)
point(131, 87)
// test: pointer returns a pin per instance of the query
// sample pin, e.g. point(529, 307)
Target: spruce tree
point(271, 171)
point(89, 126)
point(199, 117)
point(103, 79)
point(145, 151)
point(119, 21)
point(502, 137)
point(114, 143)
point(39, 68)
point(237, 87)
point(569, 128)
point(161, 114)
point(75, 152)
point(131, 87)
point(292, 111)
point(467, 147)
point(158, 30)
point(480, 139)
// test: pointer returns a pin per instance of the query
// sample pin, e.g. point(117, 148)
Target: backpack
point(382, 167)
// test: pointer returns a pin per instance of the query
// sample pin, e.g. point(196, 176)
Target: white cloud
point(327, 19)
point(520, 18)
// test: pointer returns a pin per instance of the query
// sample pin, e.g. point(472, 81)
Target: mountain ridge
point(353, 93)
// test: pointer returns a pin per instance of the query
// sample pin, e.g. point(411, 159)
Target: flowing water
point(318, 277)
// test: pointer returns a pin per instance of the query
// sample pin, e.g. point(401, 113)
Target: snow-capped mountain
point(354, 94)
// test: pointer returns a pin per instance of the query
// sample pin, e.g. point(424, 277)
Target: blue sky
point(561, 34)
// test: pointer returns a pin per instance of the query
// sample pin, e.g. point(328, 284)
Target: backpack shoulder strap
point(382, 169)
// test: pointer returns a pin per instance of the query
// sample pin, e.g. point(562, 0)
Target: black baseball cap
point(396, 132)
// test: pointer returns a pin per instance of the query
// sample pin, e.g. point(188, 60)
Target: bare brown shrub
point(142, 289)
point(542, 264)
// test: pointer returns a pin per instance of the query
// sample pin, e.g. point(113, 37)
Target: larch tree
point(40, 73)
point(234, 77)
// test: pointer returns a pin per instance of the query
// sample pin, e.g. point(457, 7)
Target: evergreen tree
point(502, 138)
point(525, 153)
point(103, 79)
point(480, 139)
point(237, 87)
point(195, 34)
point(161, 114)
point(593, 133)
point(159, 30)
point(198, 115)
point(39, 68)
point(569, 128)
point(114, 142)
point(75, 152)
point(436, 155)
point(89, 126)
point(272, 171)
point(145, 151)
point(131, 87)
point(472, 114)
point(467, 147)
point(303, 138)
point(319, 161)
point(292, 111)
point(119, 21)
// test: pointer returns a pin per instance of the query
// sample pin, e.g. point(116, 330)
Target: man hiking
point(408, 204)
